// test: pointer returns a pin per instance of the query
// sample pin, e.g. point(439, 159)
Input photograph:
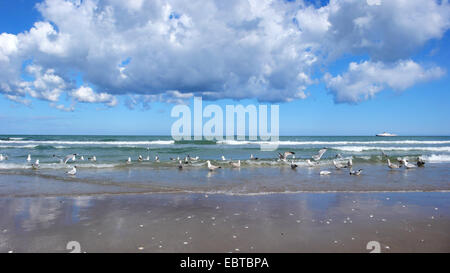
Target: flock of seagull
point(338, 162)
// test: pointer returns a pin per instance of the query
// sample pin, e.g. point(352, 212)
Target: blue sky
point(411, 106)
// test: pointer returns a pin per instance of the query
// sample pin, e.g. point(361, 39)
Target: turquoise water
point(112, 151)
point(111, 173)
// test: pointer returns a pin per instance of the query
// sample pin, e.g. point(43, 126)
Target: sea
point(112, 174)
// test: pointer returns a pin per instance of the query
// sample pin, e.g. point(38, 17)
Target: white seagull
point(140, 158)
point(253, 158)
point(157, 158)
point(73, 171)
point(408, 165)
point(293, 165)
point(35, 165)
point(223, 158)
point(358, 172)
point(284, 156)
point(339, 165)
point(29, 158)
point(82, 158)
point(319, 155)
point(129, 160)
point(235, 165)
point(211, 167)
point(310, 163)
point(93, 158)
point(391, 165)
point(180, 165)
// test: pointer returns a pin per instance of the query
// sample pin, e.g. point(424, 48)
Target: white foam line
point(52, 142)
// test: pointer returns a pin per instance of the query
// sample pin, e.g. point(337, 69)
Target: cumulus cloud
point(362, 81)
point(268, 50)
point(86, 94)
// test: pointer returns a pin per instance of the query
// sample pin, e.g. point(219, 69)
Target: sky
point(347, 67)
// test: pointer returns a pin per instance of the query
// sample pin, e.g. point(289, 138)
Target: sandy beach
point(303, 222)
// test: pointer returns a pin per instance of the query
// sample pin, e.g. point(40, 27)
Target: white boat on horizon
point(385, 134)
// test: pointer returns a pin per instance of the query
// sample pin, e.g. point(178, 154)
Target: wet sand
point(295, 222)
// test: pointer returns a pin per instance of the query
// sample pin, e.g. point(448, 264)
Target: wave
point(288, 142)
point(437, 158)
point(368, 148)
point(61, 142)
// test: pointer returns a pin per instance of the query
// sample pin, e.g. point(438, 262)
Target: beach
point(302, 222)
point(263, 206)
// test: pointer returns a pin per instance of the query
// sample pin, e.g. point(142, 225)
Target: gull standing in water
point(35, 165)
point(93, 158)
point(211, 167)
point(3, 157)
point(129, 160)
point(339, 165)
point(29, 158)
point(140, 158)
point(319, 155)
point(284, 156)
point(293, 165)
point(392, 165)
point(408, 165)
point(253, 158)
point(310, 163)
point(82, 158)
point(235, 165)
point(156, 158)
point(180, 165)
point(420, 162)
point(350, 163)
point(358, 172)
point(73, 171)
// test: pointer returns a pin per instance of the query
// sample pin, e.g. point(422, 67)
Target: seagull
point(339, 156)
point(319, 155)
point(310, 164)
point(156, 158)
point(194, 158)
point(73, 171)
point(29, 158)
point(293, 165)
point(408, 165)
point(186, 160)
point(391, 165)
point(350, 163)
point(81, 157)
point(2, 157)
point(148, 158)
point(67, 158)
point(338, 165)
point(175, 159)
point(284, 156)
point(93, 158)
point(420, 162)
point(325, 173)
point(35, 165)
point(253, 158)
point(140, 158)
point(358, 172)
point(223, 158)
point(129, 160)
point(180, 165)
point(212, 167)
point(235, 165)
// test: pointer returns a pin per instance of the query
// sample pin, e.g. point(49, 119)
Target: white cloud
point(86, 94)
point(362, 81)
point(218, 49)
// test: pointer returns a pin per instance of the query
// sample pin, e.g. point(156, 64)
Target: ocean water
point(111, 174)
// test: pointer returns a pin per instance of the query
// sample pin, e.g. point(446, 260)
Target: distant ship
point(385, 134)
